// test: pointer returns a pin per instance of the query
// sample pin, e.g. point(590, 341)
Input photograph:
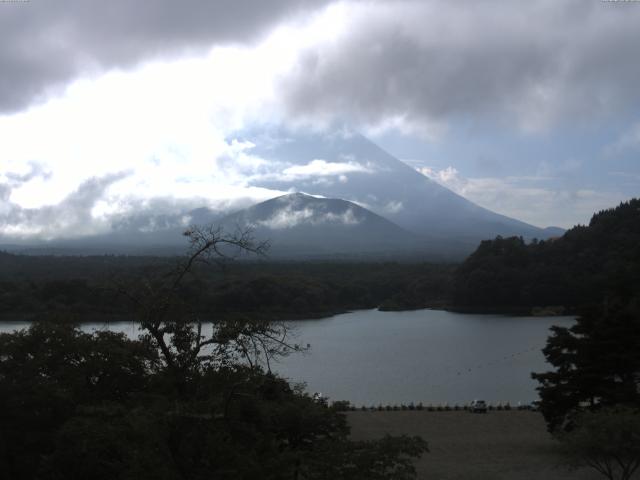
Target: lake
point(430, 356)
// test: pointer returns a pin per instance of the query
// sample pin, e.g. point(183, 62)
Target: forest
point(89, 286)
point(507, 275)
point(576, 270)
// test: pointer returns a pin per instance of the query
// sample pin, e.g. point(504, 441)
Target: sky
point(109, 109)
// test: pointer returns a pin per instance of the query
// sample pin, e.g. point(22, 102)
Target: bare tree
point(173, 325)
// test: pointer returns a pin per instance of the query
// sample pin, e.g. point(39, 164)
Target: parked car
point(478, 406)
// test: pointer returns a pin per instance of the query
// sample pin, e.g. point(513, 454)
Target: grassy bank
point(501, 445)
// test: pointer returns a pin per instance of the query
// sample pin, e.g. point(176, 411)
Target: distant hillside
point(408, 214)
point(142, 234)
point(581, 267)
point(299, 224)
point(367, 175)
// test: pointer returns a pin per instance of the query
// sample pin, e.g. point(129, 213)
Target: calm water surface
point(430, 356)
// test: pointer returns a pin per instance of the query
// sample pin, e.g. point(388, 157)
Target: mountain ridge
point(300, 224)
point(385, 185)
point(342, 167)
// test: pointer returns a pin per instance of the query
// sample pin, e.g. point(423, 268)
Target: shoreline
point(297, 317)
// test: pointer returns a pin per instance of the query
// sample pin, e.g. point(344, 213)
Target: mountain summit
point(351, 167)
point(359, 200)
point(300, 224)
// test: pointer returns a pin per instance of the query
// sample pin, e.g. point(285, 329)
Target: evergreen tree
point(597, 363)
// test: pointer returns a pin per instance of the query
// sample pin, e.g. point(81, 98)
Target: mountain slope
point(336, 166)
point(141, 234)
point(299, 224)
point(351, 167)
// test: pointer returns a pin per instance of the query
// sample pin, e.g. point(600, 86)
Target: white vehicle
point(478, 406)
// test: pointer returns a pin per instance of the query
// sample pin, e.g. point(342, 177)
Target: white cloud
point(71, 217)
point(393, 207)
point(408, 66)
point(526, 198)
point(168, 124)
point(289, 216)
point(165, 124)
point(322, 168)
point(348, 217)
point(416, 65)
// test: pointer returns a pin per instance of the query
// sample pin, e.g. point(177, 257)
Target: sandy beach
point(499, 445)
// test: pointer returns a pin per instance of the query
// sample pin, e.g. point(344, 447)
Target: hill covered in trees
point(580, 268)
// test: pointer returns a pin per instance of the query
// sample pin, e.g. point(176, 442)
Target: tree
point(178, 403)
point(49, 373)
point(607, 440)
point(172, 325)
point(576, 270)
point(597, 363)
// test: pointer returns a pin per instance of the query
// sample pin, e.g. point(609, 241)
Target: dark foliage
point(176, 403)
point(77, 406)
point(84, 286)
point(578, 269)
point(608, 441)
point(50, 373)
point(597, 363)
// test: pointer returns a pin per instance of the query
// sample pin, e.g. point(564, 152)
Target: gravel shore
point(499, 445)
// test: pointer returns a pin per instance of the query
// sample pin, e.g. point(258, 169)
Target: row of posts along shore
point(345, 406)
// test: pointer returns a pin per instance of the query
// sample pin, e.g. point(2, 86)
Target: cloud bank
point(419, 64)
point(72, 217)
point(109, 109)
point(45, 45)
point(527, 198)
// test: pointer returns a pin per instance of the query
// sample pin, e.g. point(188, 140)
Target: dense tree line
point(591, 397)
point(85, 286)
point(580, 268)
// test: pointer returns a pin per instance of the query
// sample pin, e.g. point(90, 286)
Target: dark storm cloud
point(44, 44)
point(537, 62)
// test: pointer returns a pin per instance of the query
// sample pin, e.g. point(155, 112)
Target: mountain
point(552, 232)
point(141, 234)
point(302, 225)
point(351, 167)
point(394, 208)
